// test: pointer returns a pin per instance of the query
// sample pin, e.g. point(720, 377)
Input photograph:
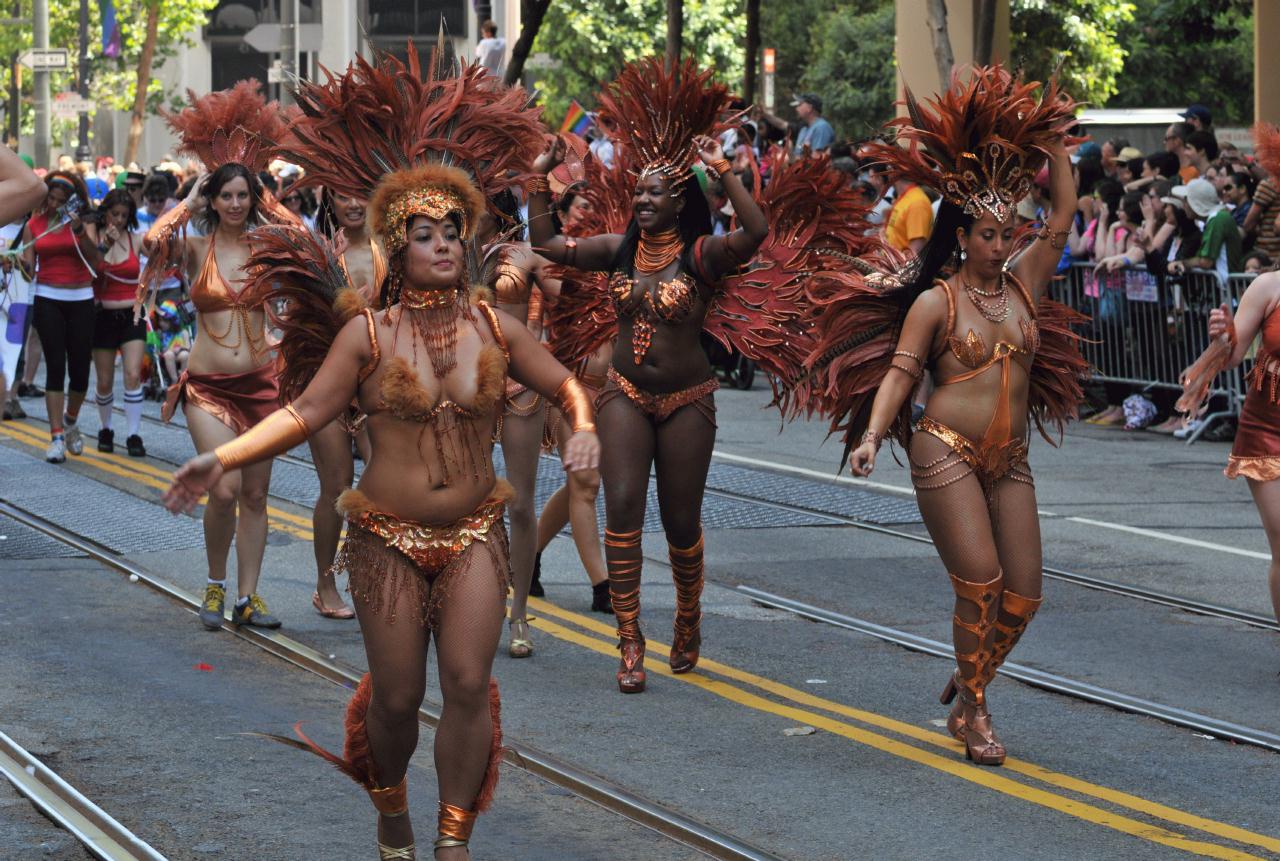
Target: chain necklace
point(996, 311)
point(657, 251)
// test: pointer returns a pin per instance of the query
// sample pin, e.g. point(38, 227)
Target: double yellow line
point(903, 741)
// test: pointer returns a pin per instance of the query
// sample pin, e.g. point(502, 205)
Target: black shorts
point(115, 326)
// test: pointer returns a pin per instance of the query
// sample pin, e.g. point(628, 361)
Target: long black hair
point(936, 257)
point(694, 220)
point(119, 197)
point(213, 187)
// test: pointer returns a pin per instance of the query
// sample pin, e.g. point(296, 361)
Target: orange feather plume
point(1266, 148)
point(236, 125)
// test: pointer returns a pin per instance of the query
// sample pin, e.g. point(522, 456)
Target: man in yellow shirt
point(911, 219)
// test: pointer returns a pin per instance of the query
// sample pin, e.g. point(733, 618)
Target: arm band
point(721, 166)
point(575, 404)
point(168, 224)
point(275, 434)
point(538, 185)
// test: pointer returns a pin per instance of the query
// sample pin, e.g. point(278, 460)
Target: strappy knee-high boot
point(624, 558)
point(686, 571)
point(1016, 612)
point(970, 721)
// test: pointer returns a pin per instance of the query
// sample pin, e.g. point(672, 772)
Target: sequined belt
point(991, 461)
point(662, 407)
point(430, 547)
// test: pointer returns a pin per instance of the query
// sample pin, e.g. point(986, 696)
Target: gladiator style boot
point(686, 571)
point(1016, 612)
point(623, 555)
point(969, 721)
point(393, 801)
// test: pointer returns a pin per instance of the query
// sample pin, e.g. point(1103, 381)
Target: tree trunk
point(675, 32)
point(942, 53)
point(531, 14)
point(753, 51)
point(144, 78)
point(985, 33)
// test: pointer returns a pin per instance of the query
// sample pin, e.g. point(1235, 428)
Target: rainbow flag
point(577, 120)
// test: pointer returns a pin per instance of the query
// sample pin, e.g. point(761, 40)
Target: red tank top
point(118, 282)
point(58, 261)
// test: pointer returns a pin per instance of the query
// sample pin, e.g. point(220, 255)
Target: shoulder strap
point(492, 317)
point(375, 353)
point(951, 305)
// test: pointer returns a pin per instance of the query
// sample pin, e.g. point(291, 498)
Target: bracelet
point(538, 185)
point(575, 405)
point(721, 166)
point(1057, 238)
point(871, 436)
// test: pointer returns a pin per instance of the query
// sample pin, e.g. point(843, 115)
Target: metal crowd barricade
point(1144, 334)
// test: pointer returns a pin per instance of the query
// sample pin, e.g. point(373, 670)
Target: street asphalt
point(810, 741)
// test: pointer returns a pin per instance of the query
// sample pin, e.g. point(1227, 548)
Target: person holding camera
point(62, 245)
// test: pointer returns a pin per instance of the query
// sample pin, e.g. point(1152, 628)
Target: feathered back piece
point(236, 125)
point(981, 142)
point(1266, 148)
point(657, 114)
point(426, 132)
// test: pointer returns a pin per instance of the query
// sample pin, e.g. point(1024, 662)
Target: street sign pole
point(288, 49)
point(770, 66)
point(40, 40)
point(83, 153)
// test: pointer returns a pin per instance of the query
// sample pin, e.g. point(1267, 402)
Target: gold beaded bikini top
point(669, 301)
point(971, 351)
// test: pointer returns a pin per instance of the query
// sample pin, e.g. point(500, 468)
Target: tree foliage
point(591, 40)
point(852, 67)
point(112, 80)
point(787, 26)
point(1187, 51)
point(1085, 36)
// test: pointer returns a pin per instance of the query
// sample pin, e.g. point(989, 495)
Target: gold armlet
point(169, 224)
point(914, 373)
point(917, 372)
point(575, 404)
point(538, 185)
point(871, 436)
point(275, 434)
point(1056, 238)
point(721, 166)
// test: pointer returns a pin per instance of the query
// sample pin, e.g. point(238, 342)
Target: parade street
point(806, 732)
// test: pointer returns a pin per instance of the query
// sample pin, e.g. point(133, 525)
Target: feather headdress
point(1266, 148)
point(658, 113)
point(981, 142)
point(236, 125)
point(440, 142)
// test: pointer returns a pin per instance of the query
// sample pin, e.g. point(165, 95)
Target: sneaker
point(215, 598)
point(57, 450)
point(1188, 429)
point(255, 614)
point(30, 390)
point(13, 410)
point(136, 448)
point(75, 442)
point(107, 440)
point(535, 585)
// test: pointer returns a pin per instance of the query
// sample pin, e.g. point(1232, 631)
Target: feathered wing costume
point(439, 142)
point(980, 144)
point(234, 126)
point(764, 309)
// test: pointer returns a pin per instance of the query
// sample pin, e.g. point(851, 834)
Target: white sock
point(213, 582)
point(105, 402)
point(133, 410)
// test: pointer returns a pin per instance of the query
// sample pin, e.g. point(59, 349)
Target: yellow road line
point(951, 765)
point(283, 521)
point(804, 698)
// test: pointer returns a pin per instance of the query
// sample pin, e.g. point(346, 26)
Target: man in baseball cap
point(1220, 245)
point(1198, 117)
point(812, 131)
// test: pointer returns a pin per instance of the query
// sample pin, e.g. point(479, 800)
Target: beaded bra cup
point(667, 301)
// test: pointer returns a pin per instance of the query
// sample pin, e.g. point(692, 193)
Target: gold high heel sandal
point(393, 801)
point(520, 646)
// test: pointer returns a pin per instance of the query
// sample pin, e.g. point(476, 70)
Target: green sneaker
point(254, 614)
point(215, 598)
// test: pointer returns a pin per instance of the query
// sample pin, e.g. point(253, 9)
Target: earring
point(964, 255)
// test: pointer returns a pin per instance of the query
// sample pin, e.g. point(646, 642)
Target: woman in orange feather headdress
point(425, 546)
point(1255, 453)
point(229, 385)
point(1000, 352)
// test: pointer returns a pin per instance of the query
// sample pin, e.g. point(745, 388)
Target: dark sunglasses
point(1228, 187)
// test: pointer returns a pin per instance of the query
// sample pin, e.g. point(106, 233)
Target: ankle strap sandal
point(397, 853)
point(453, 825)
point(391, 800)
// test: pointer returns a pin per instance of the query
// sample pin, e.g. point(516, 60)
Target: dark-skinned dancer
point(658, 409)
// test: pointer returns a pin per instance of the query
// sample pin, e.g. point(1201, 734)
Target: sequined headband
point(677, 173)
point(994, 184)
point(432, 201)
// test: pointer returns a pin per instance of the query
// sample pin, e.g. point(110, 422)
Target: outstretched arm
point(589, 252)
point(723, 255)
point(1036, 265)
point(329, 393)
point(533, 365)
point(906, 368)
point(20, 189)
